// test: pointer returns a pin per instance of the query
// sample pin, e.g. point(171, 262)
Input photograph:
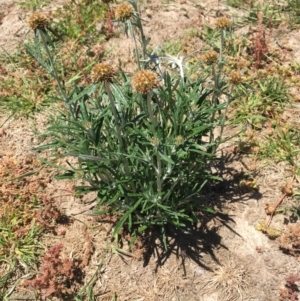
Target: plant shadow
point(198, 240)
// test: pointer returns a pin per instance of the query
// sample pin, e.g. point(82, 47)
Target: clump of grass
point(235, 3)
point(282, 145)
point(22, 217)
point(271, 13)
point(33, 4)
point(294, 10)
point(230, 280)
point(19, 93)
point(81, 21)
point(261, 100)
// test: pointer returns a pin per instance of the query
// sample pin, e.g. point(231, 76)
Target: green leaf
point(36, 53)
point(83, 93)
point(138, 118)
point(67, 175)
point(136, 233)
point(208, 209)
point(125, 217)
point(119, 97)
point(166, 158)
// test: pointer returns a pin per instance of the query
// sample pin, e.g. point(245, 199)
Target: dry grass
point(230, 280)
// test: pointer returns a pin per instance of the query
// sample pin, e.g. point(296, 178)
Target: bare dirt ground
point(226, 258)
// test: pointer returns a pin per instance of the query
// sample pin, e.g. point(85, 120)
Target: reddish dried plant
point(108, 26)
point(56, 275)
point(260, 48)
point(290, 292)
point(289, 241)
point(49, 214)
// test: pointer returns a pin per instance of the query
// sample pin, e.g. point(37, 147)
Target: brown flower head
point(38, 21)
point(223, 23)
point(210, 57)
point(124, 11)
point(144, 81)
point(235, 78)
point(102, 72)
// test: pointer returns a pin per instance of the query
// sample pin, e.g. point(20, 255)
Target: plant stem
point(231, 91)
point(221, 46)
point(136, 53)
point(143, 38)
point(215, 102)
point(135, 47)
point(158, 160)
point(53, 70)
point(216, 78)
point(139, 25)
point(225, 113)
point(113, 108)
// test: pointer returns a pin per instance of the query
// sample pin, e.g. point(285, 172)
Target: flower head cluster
point(87, 125)
point(124, 11)
point(102, 72)
point(154, 141)
point(179, 140)
point(210, 57)
point(145, 81)
point(235, 78)
point(223, 23)
point(38, 21)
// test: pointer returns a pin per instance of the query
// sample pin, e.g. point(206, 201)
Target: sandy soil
point(226, 258)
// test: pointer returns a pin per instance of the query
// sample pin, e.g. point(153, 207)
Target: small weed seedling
point(34, 4)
